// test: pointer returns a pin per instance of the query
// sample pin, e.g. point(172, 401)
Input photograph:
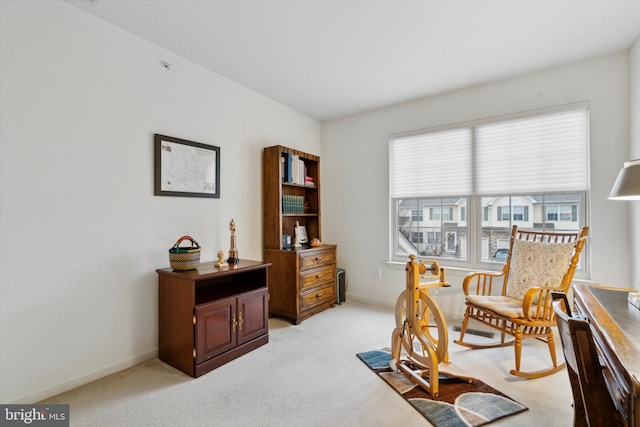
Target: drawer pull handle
point(319, 276)
point(319, 258)
point(319, 295)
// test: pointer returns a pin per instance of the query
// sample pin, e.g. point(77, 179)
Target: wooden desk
point(616, 327)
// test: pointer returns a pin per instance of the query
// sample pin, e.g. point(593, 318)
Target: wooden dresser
point(616, 329)
point(302, 282)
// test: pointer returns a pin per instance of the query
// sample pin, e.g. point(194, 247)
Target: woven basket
point(184, 258)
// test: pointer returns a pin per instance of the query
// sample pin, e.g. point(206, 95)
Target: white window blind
point(534, 154)
point(432, 164)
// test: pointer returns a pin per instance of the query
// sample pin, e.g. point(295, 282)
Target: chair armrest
point(539, 298)
point(481, 283)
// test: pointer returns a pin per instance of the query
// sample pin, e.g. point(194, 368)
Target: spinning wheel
point(415, 310)
point(427, 308)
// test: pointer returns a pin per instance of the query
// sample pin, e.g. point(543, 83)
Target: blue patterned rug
point(459, 403)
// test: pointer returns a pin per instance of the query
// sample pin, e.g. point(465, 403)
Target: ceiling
point(330, 59)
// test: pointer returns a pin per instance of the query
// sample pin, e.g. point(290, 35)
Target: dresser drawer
point(318, 296)
point(317, 258)
point(315, 277)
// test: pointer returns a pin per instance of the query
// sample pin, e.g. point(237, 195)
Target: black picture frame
point(185, 168)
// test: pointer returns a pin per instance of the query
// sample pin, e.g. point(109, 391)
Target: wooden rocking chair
point(538, 263)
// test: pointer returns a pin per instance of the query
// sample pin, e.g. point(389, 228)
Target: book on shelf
point(302, 172)
point(283, 169)
point(292, 204)
point(293, 169)
point(288, 161)
point(287, 170)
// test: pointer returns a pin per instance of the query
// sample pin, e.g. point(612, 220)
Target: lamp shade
point(627, 186)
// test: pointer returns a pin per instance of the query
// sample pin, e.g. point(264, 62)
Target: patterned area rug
point(459, 403)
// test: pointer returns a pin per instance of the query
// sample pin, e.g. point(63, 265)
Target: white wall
point(634, 105)
point(355, 149)
point(81, 231)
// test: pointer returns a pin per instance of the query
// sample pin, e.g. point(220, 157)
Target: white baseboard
point(66, 385)
point(451, 317)
point(370, 301)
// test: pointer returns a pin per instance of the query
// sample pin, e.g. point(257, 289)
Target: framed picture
point(186, 168)
point(286, 241)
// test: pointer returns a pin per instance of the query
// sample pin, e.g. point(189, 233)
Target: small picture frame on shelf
point(286, 241)
point(302, 235)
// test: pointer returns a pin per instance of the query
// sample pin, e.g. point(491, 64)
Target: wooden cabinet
point(210, 316)
point(302, 281)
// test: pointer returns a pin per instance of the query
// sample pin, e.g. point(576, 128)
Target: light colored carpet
point(308, 375)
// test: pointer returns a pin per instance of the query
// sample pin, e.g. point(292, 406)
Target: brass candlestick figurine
point(233, 252)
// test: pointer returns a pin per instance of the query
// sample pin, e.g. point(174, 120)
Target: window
point(424, 237)
point(434, 237)
point(526, 169)
point(521, 213)
point(544, 208)
point(562, 212)
point(445, 214)
point(416, 237)
point(503, 213)
point(515, 213)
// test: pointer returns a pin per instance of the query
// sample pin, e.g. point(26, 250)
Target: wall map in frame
point(186, 168)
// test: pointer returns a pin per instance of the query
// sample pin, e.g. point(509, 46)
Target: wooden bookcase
point(276, 222)
point(210, 316)
point(302, 280)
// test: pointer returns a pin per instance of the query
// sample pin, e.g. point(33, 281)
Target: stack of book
point(294, 170)
point(292, 204)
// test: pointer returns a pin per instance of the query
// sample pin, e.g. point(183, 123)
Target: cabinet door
point(216, 325)
point(253, 319)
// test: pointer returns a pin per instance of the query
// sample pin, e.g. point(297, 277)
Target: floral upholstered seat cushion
point(504, 306)
point(537, 264)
